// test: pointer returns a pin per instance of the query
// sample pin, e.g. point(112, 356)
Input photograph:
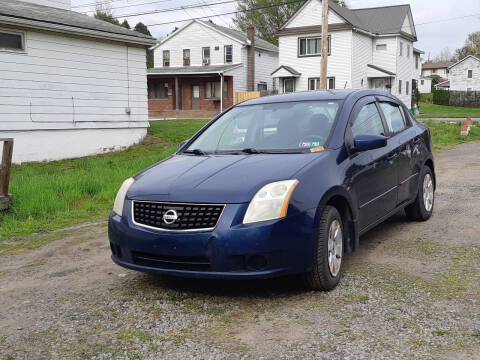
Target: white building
point(439, 68)
point(70, 85)
point(190, 63)
point(368, 48)
point(465, 74)
point(424, 85)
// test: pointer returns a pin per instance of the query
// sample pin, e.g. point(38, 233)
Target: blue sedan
point(277, 185)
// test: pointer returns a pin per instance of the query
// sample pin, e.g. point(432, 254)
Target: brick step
point(182, 114)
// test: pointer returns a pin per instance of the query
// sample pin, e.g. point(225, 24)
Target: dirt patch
point(411, 291)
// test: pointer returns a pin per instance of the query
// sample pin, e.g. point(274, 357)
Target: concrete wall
point(48, 145)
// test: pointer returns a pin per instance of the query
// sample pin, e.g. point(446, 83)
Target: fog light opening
point(257, 262)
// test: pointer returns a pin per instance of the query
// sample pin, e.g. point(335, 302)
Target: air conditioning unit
point(206, 61)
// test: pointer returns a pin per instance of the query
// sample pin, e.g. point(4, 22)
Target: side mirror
point(368, 142)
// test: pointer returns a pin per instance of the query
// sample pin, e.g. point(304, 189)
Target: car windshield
point(274, 127)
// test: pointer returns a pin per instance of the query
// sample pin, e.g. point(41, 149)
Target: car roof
point(315, 95)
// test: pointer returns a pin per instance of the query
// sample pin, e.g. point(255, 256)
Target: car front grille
point(176, 216)
point(171, 262)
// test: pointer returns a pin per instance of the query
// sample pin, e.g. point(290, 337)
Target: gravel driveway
point(411, 291)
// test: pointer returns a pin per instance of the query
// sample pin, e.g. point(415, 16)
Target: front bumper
point(231, 251)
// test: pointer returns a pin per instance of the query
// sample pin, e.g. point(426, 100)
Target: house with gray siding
point(199, 68)
point(70, 85)
point(439, 68)
point(464, 75)
point(367, 48)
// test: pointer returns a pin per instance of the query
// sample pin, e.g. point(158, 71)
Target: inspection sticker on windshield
point(317, 149)
point(309, 144)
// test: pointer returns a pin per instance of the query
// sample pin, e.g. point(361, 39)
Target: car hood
point(215, 178)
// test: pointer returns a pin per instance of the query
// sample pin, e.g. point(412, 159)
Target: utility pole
point(323, 69)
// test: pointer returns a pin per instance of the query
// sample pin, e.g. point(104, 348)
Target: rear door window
point(393, 117)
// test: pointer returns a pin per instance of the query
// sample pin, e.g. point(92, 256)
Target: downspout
point(221, 92)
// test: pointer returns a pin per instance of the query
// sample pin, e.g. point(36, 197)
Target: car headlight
point(270, 202)
point(120, 198)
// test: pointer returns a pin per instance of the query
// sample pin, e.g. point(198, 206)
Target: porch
point(188, 92)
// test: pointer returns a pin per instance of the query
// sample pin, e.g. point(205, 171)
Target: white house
point(424, 85)
point(439, 68)
point(191, 62)
point(368, 48)
point(70, 85)
point(465, 74)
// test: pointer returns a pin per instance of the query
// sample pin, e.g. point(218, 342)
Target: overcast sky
point(434, 29)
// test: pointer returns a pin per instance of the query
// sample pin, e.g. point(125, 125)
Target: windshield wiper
point(195, 152)
point(250, 151)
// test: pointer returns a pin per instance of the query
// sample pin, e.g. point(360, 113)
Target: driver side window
point(367, 121)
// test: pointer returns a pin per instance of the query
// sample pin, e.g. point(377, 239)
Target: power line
point(109, 1)
point(191, 6)
point(128, 6)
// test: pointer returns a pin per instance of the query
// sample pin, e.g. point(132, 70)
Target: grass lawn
point(56, 194)
point(428, 110)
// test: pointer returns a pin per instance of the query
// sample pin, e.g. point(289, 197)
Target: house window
point(166, 58)
point(407, 87)
point(186, 57)
point(206, 56)
point(416, 62)
point(380, 47)
point(212, 90)
point(288, 85)
point(262, 86)
point(12, 41)
point(434, 71)
point(314, 83)
point(401, 48)
point(312, 46)
point(158, 90)
point(408, 50)
point(228, 54)
point(469, 89)
point(422, 82)
point(399, 86)
point(470, 74)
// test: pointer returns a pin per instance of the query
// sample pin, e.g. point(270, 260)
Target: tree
point(269, 16)
point(444, 55)
point(125, 24)
point(471, 47)
point(105, 16)
point(142, 28)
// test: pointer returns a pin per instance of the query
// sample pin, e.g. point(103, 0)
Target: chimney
point(251, 59)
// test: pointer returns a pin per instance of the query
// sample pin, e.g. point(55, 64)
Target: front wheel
point(327, 262)
point(422, 208)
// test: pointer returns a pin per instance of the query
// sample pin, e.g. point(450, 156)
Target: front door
point(195, 97)
point(374, 181)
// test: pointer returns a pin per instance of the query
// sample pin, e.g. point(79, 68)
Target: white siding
point(426, 87)
point(459, 75)
point(195, 37)
point(311, 15)
point(62, 4)
point(405, 71)
point(339, 62)
point(62, 82)
point(386, 59)
point(442, 72)
point(361, 56)
point(265, 63)
point(406, 27)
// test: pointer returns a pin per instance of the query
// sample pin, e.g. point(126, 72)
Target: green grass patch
point(52, 195)
point(428, 110)
point(426, 98)
point(446, 135)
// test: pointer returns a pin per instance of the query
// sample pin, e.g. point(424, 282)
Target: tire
point(321, 276)
point(422, 208)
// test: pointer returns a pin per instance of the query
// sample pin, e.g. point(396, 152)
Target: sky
point(439, 24)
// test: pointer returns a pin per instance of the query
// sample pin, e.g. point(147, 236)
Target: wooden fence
point(456, 98)
point(247, 95)
point(5, 166)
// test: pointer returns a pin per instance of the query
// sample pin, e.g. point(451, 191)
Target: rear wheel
point(422, 208)
point(327, 262)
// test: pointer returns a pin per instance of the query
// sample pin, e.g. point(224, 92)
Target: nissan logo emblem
point(170, 216)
